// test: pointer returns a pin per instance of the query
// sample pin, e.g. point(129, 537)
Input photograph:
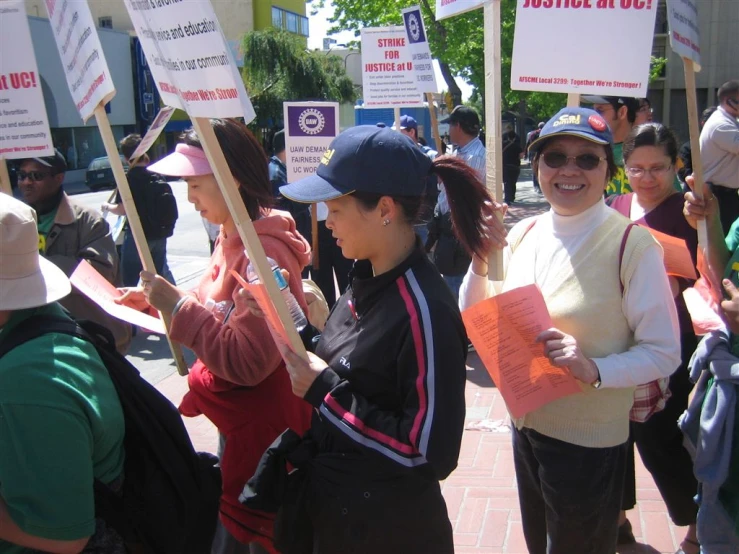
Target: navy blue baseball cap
point(365, 159)
point(575, 122)
point(407, 122)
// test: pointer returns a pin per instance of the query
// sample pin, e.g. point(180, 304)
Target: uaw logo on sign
point(415, 26)
point(311, 122)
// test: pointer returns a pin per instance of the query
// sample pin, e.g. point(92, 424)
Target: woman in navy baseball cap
point(387, 378)
point(614, 327)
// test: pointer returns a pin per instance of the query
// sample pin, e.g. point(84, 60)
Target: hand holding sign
point(730, 307)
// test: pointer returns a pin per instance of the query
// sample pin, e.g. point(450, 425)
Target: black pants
point(569, 495)
point(660, 444)
point(728, 205)
point(330, 260)
point(510, 178)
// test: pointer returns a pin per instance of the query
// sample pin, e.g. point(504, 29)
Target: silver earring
point(385, 223)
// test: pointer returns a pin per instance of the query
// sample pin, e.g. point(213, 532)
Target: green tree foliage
point(457, 42)
point(278, 68)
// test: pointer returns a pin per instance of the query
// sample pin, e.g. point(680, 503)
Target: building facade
point(719, 28)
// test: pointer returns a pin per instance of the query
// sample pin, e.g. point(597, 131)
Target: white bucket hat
point(26, 279)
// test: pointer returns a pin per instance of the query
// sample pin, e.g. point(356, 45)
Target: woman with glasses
point(650, 155)
point(614, 327)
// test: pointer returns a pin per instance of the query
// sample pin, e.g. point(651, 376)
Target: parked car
point(100, 175)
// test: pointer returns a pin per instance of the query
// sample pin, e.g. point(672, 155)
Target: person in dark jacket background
point(387, 379)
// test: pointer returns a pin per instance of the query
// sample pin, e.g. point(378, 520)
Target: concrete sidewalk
point(481, 493)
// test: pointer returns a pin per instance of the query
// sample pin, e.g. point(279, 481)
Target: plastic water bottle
point(220, 310)
point(292, 304)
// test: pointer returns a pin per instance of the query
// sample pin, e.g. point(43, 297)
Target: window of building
point(660, 23)
point(277, 17)
point(290, 21)
point(105, 22)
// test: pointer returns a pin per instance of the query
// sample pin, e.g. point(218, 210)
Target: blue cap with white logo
point(365, 159)
point(578, 122)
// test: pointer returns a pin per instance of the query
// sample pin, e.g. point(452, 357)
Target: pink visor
point(185, 161)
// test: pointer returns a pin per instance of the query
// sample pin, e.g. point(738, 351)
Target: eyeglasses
point(645, 109)
point(586, 162)
point(656, 172)
point(33, 175)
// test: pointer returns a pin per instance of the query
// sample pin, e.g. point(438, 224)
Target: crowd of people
point(343, 451)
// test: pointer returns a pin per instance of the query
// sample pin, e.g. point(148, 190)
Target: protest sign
point(388, 77)
point(85, 68)
point(449, 8)
point(24, 125)
point(94, 286)
point(309, 129)
point(503, 330)
point(189, 58)
point(602, 46)
point(152, 134)
point(682, 16)
point(418, 45)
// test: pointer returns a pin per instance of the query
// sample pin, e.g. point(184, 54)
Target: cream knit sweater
point(579, 279)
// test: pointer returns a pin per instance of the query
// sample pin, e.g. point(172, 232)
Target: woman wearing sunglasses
point(650, 155)
point(614, 327)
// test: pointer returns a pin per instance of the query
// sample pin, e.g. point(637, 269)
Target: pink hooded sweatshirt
point(239, 380)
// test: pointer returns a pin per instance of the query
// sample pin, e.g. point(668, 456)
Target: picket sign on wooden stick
point(5, 178)
point(573, 100)
point(314, 236)
point(493, 122)
point(134, 222)
point(434, 121)
point(695, 146)
point(245, 227)
point(396, 112)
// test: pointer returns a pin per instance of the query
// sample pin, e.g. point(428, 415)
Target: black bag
point(159, 214)
point(449, 256)
point(170, 496)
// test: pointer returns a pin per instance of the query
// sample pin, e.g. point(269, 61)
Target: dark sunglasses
point(33, 175)
point(586, 162)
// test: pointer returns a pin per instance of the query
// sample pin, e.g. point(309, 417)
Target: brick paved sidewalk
point(481, 493)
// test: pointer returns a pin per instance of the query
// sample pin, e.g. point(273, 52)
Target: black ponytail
point(470, 202)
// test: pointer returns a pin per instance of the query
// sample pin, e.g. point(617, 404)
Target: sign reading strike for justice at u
point(388, 77)
point(682, 16)
point(418, 44)
point(597, 46)
point(24, 126)
point(189, 58)
point(309, 129)
point(85, 68)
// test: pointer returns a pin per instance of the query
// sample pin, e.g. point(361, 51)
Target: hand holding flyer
point(260, 294)
point(93, 285)
point(503, 329)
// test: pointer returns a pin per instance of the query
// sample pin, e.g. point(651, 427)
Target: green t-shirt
point(729, 492)
point(619, 183)
point(61, 427)
point(45, 222)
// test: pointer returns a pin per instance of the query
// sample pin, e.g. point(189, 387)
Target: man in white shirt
point(720, 152)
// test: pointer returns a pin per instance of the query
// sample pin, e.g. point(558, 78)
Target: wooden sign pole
point(134, 221)
point(493, 122)
point(248, 234)
point(434, 121)
point(314, 235)
point(695, 146)
point(573, 100)
point(396, 111)
point(5, 185)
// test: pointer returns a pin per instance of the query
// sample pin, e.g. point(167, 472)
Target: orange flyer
point(503, 330)
point(259, 292)
point(677, 256)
